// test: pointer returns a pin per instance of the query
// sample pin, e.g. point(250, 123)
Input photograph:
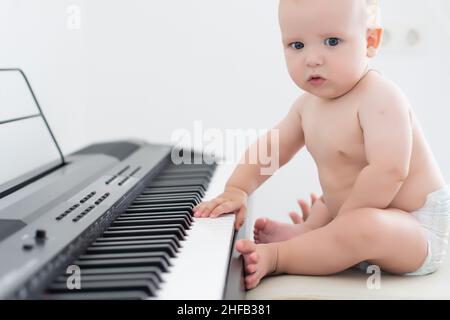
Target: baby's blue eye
point(332, 41)
point(297, 45)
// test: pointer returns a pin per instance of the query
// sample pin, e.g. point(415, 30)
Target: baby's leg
point(267, 230)
point(390, 238)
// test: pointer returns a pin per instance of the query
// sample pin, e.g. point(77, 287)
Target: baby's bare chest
point(333, 134)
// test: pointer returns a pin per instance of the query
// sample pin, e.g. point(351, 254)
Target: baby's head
point(333, 39)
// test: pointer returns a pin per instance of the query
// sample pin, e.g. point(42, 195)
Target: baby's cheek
point(296, 76)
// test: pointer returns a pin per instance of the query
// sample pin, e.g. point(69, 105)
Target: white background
point(143, 69)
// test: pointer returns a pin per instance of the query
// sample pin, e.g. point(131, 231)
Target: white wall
point(143, 69)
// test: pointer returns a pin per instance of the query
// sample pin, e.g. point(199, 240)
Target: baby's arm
point(247, 176)
point(387, 128)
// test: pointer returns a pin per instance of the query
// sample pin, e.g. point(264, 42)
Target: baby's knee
point(359, 229)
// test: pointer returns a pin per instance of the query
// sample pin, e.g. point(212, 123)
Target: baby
point(384, 199)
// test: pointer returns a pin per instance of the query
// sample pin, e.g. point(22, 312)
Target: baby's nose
point(314, 59)
point(314, 62)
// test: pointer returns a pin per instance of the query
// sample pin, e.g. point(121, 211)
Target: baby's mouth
point(316, 80)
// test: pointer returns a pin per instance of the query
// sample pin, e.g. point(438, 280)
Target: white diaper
point(435, 219)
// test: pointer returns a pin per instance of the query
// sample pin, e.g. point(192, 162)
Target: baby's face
point(324, 39)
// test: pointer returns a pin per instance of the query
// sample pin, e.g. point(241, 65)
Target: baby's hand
point(231, 200)
point(306, 210)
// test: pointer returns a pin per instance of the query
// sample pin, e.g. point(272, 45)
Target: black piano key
point(131, 246)
point(193, 167)
point(126, 242)
point(188, 170)
point(104, 295)
point(156, 209)
point(122, 270)
point(149, 227)
point(143, 249)
point(126, 255)
point(148, 232)
point(146, 286)
point(136, 215)
point(162, 206)
point(115, 277)
point(106, 263)
point(178, 176)
point(186, 218)
point(173, 238)
point(178, 201)
point(177, 223)
point(168, 197)
point(157, 192)
point(146, 222)
point(179, 183)
point(199, 189)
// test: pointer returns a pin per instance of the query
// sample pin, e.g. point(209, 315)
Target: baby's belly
point(337, 186)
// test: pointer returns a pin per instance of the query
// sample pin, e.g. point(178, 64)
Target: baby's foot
point(267, 231)
point(259, 260)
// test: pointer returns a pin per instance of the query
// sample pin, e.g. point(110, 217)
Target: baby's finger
point(295, 217)
point(197, 210)
point(197, 207)
point(240, 218)
point(210, 206)
point(305, 209)
point(225, 207)
point(314, 197)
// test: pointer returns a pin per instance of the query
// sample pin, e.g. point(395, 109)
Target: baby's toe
point(256, 237)
point(245, 246)
point(252, 281)
point(250, 268)
point(260, 224)
point(253, 257)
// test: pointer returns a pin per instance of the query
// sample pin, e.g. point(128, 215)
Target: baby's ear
point(373, 36)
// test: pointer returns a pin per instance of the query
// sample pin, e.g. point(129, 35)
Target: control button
point(41, 234)
point(27, 247)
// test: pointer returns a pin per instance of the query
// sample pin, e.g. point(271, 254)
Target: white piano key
point(200, 269)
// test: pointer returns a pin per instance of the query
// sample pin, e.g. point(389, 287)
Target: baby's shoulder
point(302, 102)
point(377, 90)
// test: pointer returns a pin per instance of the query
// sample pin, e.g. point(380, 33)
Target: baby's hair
point(373, 14)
